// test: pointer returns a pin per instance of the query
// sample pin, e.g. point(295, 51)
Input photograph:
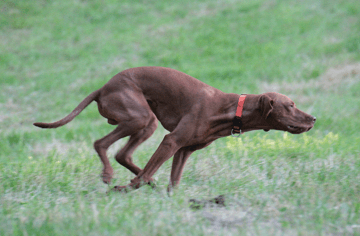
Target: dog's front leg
point(178, 165)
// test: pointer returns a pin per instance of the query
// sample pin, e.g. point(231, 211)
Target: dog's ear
point(266, 105)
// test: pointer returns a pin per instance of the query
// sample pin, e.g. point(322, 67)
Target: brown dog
point(193, 112)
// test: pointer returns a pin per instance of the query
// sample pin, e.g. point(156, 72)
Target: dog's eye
point(292, 105)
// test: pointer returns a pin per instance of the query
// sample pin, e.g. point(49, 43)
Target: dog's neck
point(222, 123)
point(251, 115)
point(237, 122)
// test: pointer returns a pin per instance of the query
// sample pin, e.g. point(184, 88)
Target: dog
point(193, 112)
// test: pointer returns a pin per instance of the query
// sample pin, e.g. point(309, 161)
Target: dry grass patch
point(330, 81)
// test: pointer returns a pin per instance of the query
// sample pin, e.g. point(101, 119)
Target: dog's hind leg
point(101, 147)
point(171, 143)
point(124, 129)
point(130, 110)
point(124, 155)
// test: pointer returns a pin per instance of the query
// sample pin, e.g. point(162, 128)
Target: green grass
point(54, 53)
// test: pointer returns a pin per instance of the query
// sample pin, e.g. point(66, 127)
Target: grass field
point(54, 53)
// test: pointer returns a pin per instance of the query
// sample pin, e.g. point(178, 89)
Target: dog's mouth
point(298, 129)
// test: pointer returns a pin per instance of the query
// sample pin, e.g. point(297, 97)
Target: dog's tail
point(73, 114)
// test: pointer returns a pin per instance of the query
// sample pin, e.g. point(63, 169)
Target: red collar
point(237, 123)
point(240, 106)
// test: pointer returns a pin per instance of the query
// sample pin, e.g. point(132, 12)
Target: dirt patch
point(336, 76)
point(329, 81)
point(199, 204)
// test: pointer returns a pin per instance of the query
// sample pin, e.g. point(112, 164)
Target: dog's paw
point(107, 176)
point(135, 184)
point(139, 182)
point(152, 183)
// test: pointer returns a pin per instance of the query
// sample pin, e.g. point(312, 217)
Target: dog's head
point(280, 113)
